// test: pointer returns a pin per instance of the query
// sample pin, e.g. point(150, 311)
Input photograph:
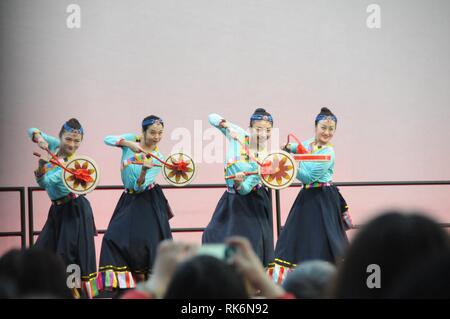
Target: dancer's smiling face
point(261, 130)
point(70, 142)
point(325, 130)
point(153, 134)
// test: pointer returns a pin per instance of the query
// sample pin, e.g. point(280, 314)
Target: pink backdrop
point(183, 60)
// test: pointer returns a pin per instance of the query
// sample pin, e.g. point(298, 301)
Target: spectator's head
point(310, 279)
point(34, 274)
point(393, 242)
point(43, 275)
point(429, 280)
point(10, 269)
point(206, 277)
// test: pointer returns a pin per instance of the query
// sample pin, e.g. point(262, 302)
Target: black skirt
point(314, 228)
point(249, 216)
point(139, 223)
point(69, 232)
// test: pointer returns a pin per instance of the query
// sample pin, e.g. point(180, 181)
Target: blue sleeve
point(113, 140)
point(42, 181)
point(48, 179)
point(310, 172)
point(53, 142)
point(215, 119)
point(248, 184)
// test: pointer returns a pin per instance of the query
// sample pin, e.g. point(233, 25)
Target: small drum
point(83, 175)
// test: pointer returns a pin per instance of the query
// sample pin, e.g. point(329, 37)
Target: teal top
point(311, 172)
point(130, 172)
point(50, 176)
point(237, 159)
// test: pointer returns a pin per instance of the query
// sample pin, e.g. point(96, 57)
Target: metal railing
point(361, 184)
point(22, 233)
point(32, 232)
point(30, 190)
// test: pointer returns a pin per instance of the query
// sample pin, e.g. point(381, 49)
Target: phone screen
point(220, 251)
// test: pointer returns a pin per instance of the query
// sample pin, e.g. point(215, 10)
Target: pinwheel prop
point(80, 174)
point(284, 165)
point(277, 170)
point(178, 169)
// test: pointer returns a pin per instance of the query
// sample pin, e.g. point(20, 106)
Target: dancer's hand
point(239, 177)
point(224, 124)
point(148, 163)
point(42, 143)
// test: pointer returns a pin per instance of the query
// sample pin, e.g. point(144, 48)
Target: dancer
point(245, 208)
point(141, 218)
point(69, 230)
point(315, 227)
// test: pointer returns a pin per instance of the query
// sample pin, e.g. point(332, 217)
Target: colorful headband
point(69, 129)
point(151, 122)
point(322, 117)
point(259, 117)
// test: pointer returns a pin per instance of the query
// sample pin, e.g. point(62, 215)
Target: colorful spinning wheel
point(278, 170)
point(81, 175)
point(179, 169)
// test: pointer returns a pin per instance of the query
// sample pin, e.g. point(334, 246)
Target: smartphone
point(220, 251)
